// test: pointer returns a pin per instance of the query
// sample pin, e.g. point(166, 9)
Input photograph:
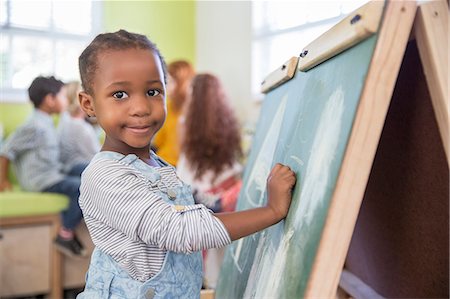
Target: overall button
point(172, 194)
point(150, 294)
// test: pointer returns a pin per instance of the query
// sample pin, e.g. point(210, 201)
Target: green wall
point(169, 24)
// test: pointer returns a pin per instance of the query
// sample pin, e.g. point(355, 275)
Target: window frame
point(52, 34)
point(266, 33)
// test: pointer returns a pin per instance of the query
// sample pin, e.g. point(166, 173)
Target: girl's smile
point(139, 129)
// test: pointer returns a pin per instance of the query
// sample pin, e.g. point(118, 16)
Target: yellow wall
point(169, 24)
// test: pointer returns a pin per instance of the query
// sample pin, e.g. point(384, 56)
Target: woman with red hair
point(210, 150)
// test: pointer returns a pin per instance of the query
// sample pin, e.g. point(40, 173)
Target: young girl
point(142, 219)
point(209, 157)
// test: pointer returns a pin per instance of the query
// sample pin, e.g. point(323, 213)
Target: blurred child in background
point(210, 154)
point(34, 150)
point(166, 141)
point(77, 138)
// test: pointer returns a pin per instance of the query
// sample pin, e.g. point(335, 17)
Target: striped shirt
point(78, 141)
point(33, 149)
point(129, 220)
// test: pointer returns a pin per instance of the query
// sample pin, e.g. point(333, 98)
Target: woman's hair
point(73, 88)
point(120, 40)
point(211, 138)
point(181, 72)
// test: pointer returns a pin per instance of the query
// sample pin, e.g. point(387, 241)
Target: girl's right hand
point(280, 183)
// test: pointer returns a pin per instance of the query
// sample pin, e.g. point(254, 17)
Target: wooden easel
point(322, 270)
point(429, 25)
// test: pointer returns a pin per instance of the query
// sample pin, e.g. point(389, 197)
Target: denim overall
point(180, 275)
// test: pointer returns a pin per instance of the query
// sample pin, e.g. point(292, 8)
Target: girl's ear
point(86, 103)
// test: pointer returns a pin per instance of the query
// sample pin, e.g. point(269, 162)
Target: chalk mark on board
point(257, 180)
point(258, 177)
point(298, 160)
point(262, 283)
point(269, 265)
point(323, 149)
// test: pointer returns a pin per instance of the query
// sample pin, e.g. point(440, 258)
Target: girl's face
point(128, 100)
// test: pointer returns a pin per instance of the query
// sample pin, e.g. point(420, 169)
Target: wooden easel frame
point(431, 29)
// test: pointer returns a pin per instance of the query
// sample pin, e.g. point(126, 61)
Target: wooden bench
point(29, 222)
point(30, 263)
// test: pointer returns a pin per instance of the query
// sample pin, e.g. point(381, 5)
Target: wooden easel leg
point(432, 36)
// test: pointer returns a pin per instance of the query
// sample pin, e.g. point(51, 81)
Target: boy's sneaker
point(84, 251)
point(70, 247)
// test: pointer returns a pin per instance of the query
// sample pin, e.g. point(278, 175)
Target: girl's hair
point(120, 40)
point(182, 73)
point(211, 138)
point(72, 89)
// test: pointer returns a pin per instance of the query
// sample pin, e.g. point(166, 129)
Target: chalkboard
point(325, 124)
point(305, 123)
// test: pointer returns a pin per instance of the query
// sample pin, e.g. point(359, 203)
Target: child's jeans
point(70, 186)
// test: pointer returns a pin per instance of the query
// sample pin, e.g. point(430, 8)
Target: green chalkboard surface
point(304, 123)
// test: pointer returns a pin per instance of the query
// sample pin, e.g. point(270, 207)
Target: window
point(281, 29)
point(43, 37)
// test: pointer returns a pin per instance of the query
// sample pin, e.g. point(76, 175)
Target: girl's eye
point(120, 95)
point(153, 92)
